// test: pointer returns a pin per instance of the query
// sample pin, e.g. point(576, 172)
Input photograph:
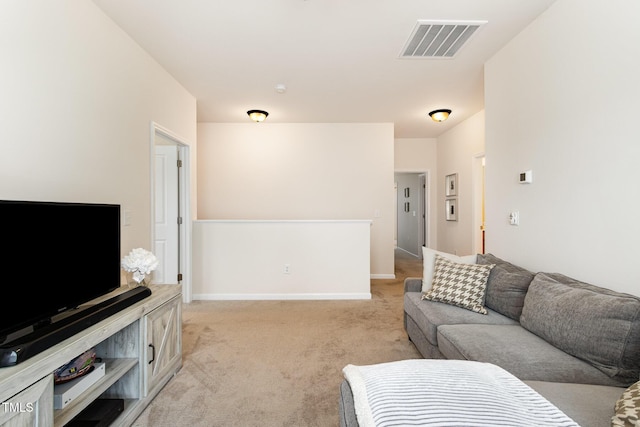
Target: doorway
point(170, 209)
point(479, 229)
point(411, 212)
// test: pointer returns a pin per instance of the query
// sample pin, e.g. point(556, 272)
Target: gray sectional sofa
point(577, 344)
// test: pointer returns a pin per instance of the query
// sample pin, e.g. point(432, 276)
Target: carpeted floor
point(279, 363)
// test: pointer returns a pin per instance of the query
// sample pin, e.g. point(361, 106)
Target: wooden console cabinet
point(141, 346)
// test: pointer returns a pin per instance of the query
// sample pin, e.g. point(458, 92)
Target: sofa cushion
point(519, 351)
point(420, 341)
point(506, 287)
point(592, 323)
point(589, 405)
point(428, 315)
point(462, 285)
point(627, 407)
point(429, 261)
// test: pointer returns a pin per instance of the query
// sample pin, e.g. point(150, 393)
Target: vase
point(132, 283)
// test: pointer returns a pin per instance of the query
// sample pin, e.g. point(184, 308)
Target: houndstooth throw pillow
point(628, 407)
point(462, 285)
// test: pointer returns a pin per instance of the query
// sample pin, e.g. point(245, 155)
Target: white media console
point(141, 346)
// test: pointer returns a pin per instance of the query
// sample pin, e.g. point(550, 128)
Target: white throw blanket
point(427, 392)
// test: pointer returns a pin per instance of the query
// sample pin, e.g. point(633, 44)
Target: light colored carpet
point(279, 363)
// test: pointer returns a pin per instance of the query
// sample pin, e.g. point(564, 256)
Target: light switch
point(525, 177)
point(127, 217)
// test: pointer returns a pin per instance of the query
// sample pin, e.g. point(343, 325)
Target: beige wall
point(301, 171)
point(78, 97)
point(77, 100)
point(562, 99)
point(457, 150)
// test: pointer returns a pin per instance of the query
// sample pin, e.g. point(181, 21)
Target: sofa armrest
point(413, 284)
point(348, 417)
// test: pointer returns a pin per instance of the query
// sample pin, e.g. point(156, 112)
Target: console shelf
point(123, 341)
point(114, 370)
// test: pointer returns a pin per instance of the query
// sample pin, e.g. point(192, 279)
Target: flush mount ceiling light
point(440, 115)
point(257, 115)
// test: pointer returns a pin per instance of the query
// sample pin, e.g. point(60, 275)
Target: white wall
point(272, 171)
point(562, 99)
point(276, 259)
point(457, 150)
point(420, 155)
point(77, 99)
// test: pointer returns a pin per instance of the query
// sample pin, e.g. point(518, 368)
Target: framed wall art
point(451, 185)
point(452, 209)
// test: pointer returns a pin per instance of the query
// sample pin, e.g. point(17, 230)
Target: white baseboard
point(256, 297)
point(383, 276)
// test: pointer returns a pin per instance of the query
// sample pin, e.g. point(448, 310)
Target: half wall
point(292, 259)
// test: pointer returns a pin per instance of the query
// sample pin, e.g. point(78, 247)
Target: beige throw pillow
point(462, 285)
point(428, 263)
point(628, 407)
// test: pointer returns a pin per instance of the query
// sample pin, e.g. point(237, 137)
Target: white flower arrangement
point(140, 262)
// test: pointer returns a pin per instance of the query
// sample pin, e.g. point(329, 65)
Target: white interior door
point(167, 230)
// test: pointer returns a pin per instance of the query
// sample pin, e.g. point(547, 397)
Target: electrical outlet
point(286, 269)
point(514, 218)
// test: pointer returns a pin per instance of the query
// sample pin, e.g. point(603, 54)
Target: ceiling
point(340, 60)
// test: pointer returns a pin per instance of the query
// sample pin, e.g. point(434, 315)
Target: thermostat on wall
point(526, 177)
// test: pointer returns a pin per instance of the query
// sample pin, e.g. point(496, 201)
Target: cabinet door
point(31, 407)
point(163, 344)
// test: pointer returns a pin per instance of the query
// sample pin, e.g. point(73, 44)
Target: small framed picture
point(451, 185)
point(452, 209)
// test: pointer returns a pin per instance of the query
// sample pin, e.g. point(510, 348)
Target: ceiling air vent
point(439, 39)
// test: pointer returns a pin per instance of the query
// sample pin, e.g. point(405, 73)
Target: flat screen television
point(57, 256)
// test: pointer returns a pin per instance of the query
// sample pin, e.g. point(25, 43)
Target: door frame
point(184, 201)
point(427, 229)
point(478, 200)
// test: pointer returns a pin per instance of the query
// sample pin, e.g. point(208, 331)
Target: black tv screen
point(57, 256)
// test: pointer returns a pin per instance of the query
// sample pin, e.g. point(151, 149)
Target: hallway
point(407, 265)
